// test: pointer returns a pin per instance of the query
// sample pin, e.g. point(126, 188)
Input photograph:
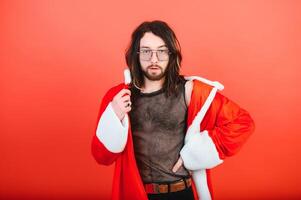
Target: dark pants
point(186, 194)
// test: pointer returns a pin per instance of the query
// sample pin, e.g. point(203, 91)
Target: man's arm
point(232, 128)
point(111, 133)
point(188, 90)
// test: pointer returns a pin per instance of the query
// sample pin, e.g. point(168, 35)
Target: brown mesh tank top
point(158, 126)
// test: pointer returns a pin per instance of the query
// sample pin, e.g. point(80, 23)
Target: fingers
point(127, 104)
point(122, 103)
point(126, 101)
point(127, 109)
point(177, 166)
point(125, 98)
point(123, 92)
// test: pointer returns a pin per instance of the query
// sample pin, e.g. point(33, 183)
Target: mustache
point(154, 66)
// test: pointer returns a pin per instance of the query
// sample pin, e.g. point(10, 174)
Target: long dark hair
point(162, 30)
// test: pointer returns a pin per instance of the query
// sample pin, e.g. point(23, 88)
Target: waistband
point(157, 188)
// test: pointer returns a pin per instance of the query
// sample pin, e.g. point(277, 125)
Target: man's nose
point(154, 57)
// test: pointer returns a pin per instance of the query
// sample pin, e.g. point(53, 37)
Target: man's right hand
point(121, 103)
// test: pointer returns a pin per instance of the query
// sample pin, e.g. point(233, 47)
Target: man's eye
point(146, 51)
point(163, 51)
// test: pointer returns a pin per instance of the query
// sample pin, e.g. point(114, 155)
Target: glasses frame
point(168, 52)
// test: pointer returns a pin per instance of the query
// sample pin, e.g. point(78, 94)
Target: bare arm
point(188, 90)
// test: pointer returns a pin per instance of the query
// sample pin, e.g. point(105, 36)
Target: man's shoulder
point(194, 88)
point(198, 88)
point(195, 85)
point(200, 83)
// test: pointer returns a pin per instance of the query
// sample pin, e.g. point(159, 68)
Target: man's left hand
point(178, 164)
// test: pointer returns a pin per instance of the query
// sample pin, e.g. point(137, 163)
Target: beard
point(154, 75)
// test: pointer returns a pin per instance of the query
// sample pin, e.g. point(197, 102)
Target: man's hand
point(177, 166)
point(121, 103)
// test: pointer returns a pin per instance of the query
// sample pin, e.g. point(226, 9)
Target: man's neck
point(152, 86)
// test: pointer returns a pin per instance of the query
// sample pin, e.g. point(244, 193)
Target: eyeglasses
point(147, 54)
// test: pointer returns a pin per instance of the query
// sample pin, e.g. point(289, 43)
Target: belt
point(156, 188)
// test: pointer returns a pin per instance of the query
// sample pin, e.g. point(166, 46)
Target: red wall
point(57, 58)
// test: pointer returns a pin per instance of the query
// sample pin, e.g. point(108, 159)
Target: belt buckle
point(156, 188)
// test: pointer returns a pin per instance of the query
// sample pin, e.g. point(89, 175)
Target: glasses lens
point(145, 54)
point(162, 54)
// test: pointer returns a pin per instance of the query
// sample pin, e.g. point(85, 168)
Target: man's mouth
point(154, 67)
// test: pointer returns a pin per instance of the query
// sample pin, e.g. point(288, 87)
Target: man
point(163, 127)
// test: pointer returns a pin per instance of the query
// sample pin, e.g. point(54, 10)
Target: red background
point(58, 58)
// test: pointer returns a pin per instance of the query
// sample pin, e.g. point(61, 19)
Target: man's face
point(153, 68)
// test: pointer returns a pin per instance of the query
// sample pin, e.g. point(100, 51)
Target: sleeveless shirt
point(158, 126)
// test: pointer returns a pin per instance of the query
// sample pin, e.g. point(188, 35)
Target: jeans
point(185, 194)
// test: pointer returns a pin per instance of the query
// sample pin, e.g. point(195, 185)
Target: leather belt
point(157, 188)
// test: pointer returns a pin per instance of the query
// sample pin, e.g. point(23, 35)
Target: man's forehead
point(149, 40)
point(152, 47)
